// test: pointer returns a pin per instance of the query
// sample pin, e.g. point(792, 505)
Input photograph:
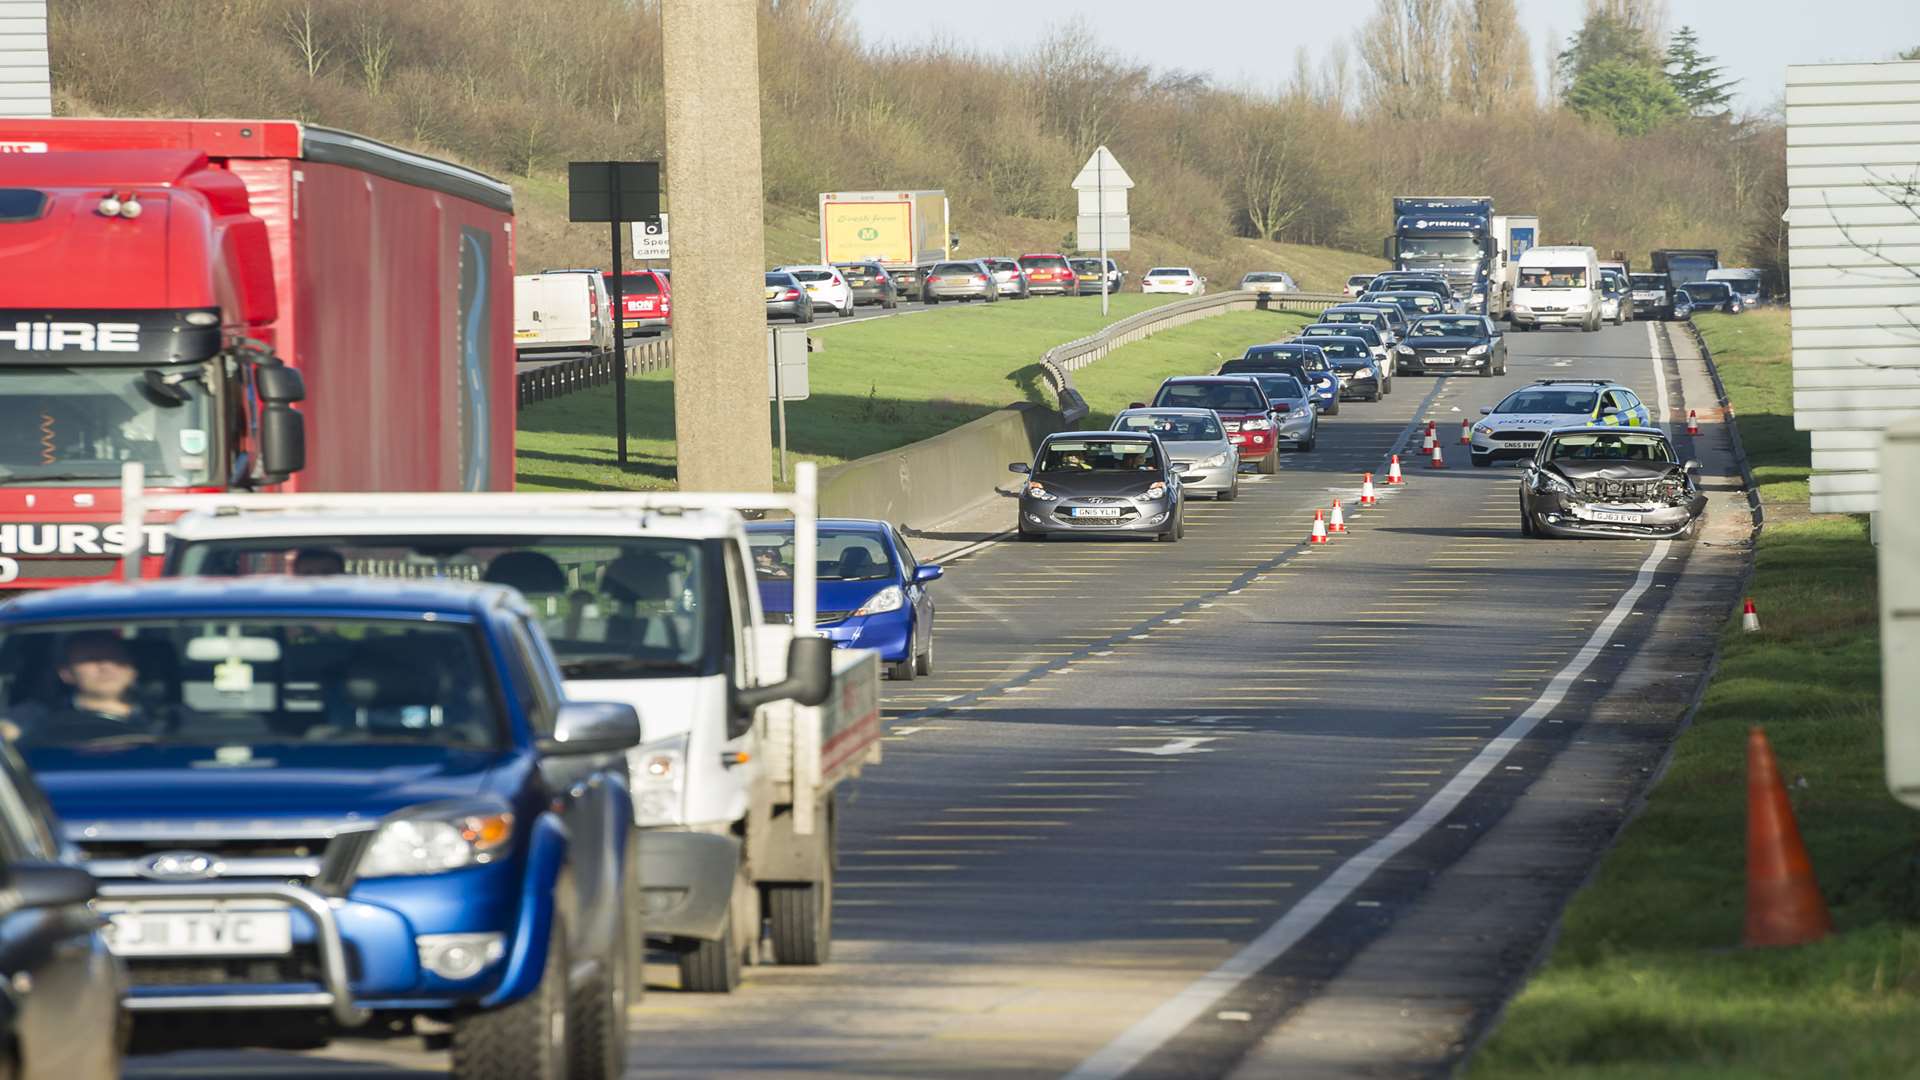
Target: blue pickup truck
point(326, 808)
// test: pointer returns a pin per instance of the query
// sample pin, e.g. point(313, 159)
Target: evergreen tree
point(1694, 75)
point(1605, 39)
point(1634, 98)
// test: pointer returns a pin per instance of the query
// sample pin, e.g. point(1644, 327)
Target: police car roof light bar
point(803, 503)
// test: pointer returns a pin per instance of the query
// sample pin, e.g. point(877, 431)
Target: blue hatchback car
point(1320, 370)
point(873, 593)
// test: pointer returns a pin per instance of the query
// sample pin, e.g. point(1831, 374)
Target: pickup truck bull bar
point(803, 503)
point(336, 996)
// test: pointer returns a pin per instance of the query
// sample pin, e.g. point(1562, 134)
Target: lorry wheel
point(711, 967)
point(598, 1011)
point(802, 916)
point(526, 1040)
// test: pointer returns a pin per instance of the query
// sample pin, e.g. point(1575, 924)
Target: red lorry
point(238, 304)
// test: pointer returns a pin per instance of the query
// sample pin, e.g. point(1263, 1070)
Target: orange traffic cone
point(1393, 471)
point(1338, 523)
point(1693, 422)
point(1319, 528)
point(1749, 618)
point(1466, 433)
point(1784, 906)
point(1438, 460)
point(1366, 490)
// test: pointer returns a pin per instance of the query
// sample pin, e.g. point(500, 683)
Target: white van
point(1557, 286)
point(563, 309)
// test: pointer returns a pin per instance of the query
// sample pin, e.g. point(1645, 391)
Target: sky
point(1252, 42)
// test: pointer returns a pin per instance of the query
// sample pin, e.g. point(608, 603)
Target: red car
point(647, 298)
point(1242, 406)
point(1049, 274)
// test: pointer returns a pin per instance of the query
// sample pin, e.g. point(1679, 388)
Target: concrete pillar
point(713, 191)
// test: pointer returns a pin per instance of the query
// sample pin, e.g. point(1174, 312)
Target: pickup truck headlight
point(434, 842)
point(659, 777)
point(1477, 350)
point(888, 599)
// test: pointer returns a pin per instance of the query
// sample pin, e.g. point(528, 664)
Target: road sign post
point(1104, 224)
point(607, 191)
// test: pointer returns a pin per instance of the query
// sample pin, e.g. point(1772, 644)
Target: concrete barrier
point(932, 481)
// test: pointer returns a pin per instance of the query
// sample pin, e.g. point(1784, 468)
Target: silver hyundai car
point(1208, 463)
point(1099, 482)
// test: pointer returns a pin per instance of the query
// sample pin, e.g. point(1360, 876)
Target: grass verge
point(877, 384)
point(1647, 979)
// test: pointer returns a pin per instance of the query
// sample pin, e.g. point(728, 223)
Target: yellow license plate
point(521, 335)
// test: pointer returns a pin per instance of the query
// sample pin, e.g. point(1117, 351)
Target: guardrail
point(1062, 360)
point(556, 380)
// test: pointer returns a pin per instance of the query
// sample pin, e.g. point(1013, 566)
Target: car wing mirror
point(928, 573)
point(592, 727)
point(1486, 410)
point(1691, 466)
point(1019, 467)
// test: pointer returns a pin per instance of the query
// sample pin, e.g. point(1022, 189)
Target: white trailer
point(649, 599)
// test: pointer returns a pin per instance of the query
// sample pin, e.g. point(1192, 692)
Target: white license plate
point(1096, 511)
point(1614, 517)
point(142, 931)
point(1439, 359)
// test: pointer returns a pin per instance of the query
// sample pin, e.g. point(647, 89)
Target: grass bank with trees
point(1647, 979)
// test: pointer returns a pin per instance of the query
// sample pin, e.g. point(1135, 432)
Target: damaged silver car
point(1605, 481)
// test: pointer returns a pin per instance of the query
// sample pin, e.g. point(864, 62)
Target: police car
point(1514, 428)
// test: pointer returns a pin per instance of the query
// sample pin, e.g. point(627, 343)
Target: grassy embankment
point(1647, 978)
point(887, 382)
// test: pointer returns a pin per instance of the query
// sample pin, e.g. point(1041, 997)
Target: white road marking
point(1188, 745)
point(1659, 376)
point(1151, 1032)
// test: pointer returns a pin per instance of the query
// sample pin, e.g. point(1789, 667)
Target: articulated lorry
point(903, 231)
point(1454, 238)
point(649, 600)
point(238, 305)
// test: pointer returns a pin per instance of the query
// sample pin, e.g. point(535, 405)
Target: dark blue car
point(324, 807)
point(1323, 379)
point(873, 593)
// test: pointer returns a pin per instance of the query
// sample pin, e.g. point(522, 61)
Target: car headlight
point(891, 598)
point(1256, 425)
point(1363, 372)
point(434, 841)
point(1553, 483)
point(1155, 490)
point(1477, 350)
point(1479, 298)
point(1040, 492)
point(659, 777)
point(1405, 350)
point(1214, 462)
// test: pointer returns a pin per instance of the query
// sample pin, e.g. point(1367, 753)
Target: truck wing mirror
point(283, 441)
point(592, 727)
point(279, 384)
point(809, 677)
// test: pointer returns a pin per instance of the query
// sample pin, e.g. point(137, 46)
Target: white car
point(1358, 283)
point(1513, 429)
point(1268, 282)
point(1173, 279)
point(825, 287)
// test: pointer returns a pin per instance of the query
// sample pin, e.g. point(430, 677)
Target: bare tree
point(1492, 63)
point(373, 52)
point(1270, 160)
point(300, 31)
point(1403, 75)
point(1336, 77)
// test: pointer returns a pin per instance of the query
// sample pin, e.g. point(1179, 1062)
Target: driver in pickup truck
point(99, 676)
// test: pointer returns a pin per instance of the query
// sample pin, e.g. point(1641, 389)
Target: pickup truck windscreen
point(222, 687)
point(626, 608)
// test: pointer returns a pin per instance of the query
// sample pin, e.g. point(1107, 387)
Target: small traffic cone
point(1366, 489)
point(1393, 471)
point(1319, 528)
point(1466, 433)
point(1427, 440)
point(1784, 906)
point(1693, 422)
point(1438, 460)
point(1339, 522)
point(1749, 618)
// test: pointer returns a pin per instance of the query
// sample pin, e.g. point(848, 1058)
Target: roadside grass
point(1754, 353)
point(875, 385)
point(1133, 372)
point(1647, 978)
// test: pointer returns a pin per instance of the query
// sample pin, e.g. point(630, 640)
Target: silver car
point(1208, 464)
point(960, 281)
point(1296, 422)
point(1007, 275)
point(1268, 282)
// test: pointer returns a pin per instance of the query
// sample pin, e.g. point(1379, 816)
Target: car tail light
point(931, 278)
point(979, 279)
point(1189, 281)
point(790, 294)
point(1282, 407)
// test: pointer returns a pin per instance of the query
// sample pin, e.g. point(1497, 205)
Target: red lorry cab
point(238, 304)
point(647, 298)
